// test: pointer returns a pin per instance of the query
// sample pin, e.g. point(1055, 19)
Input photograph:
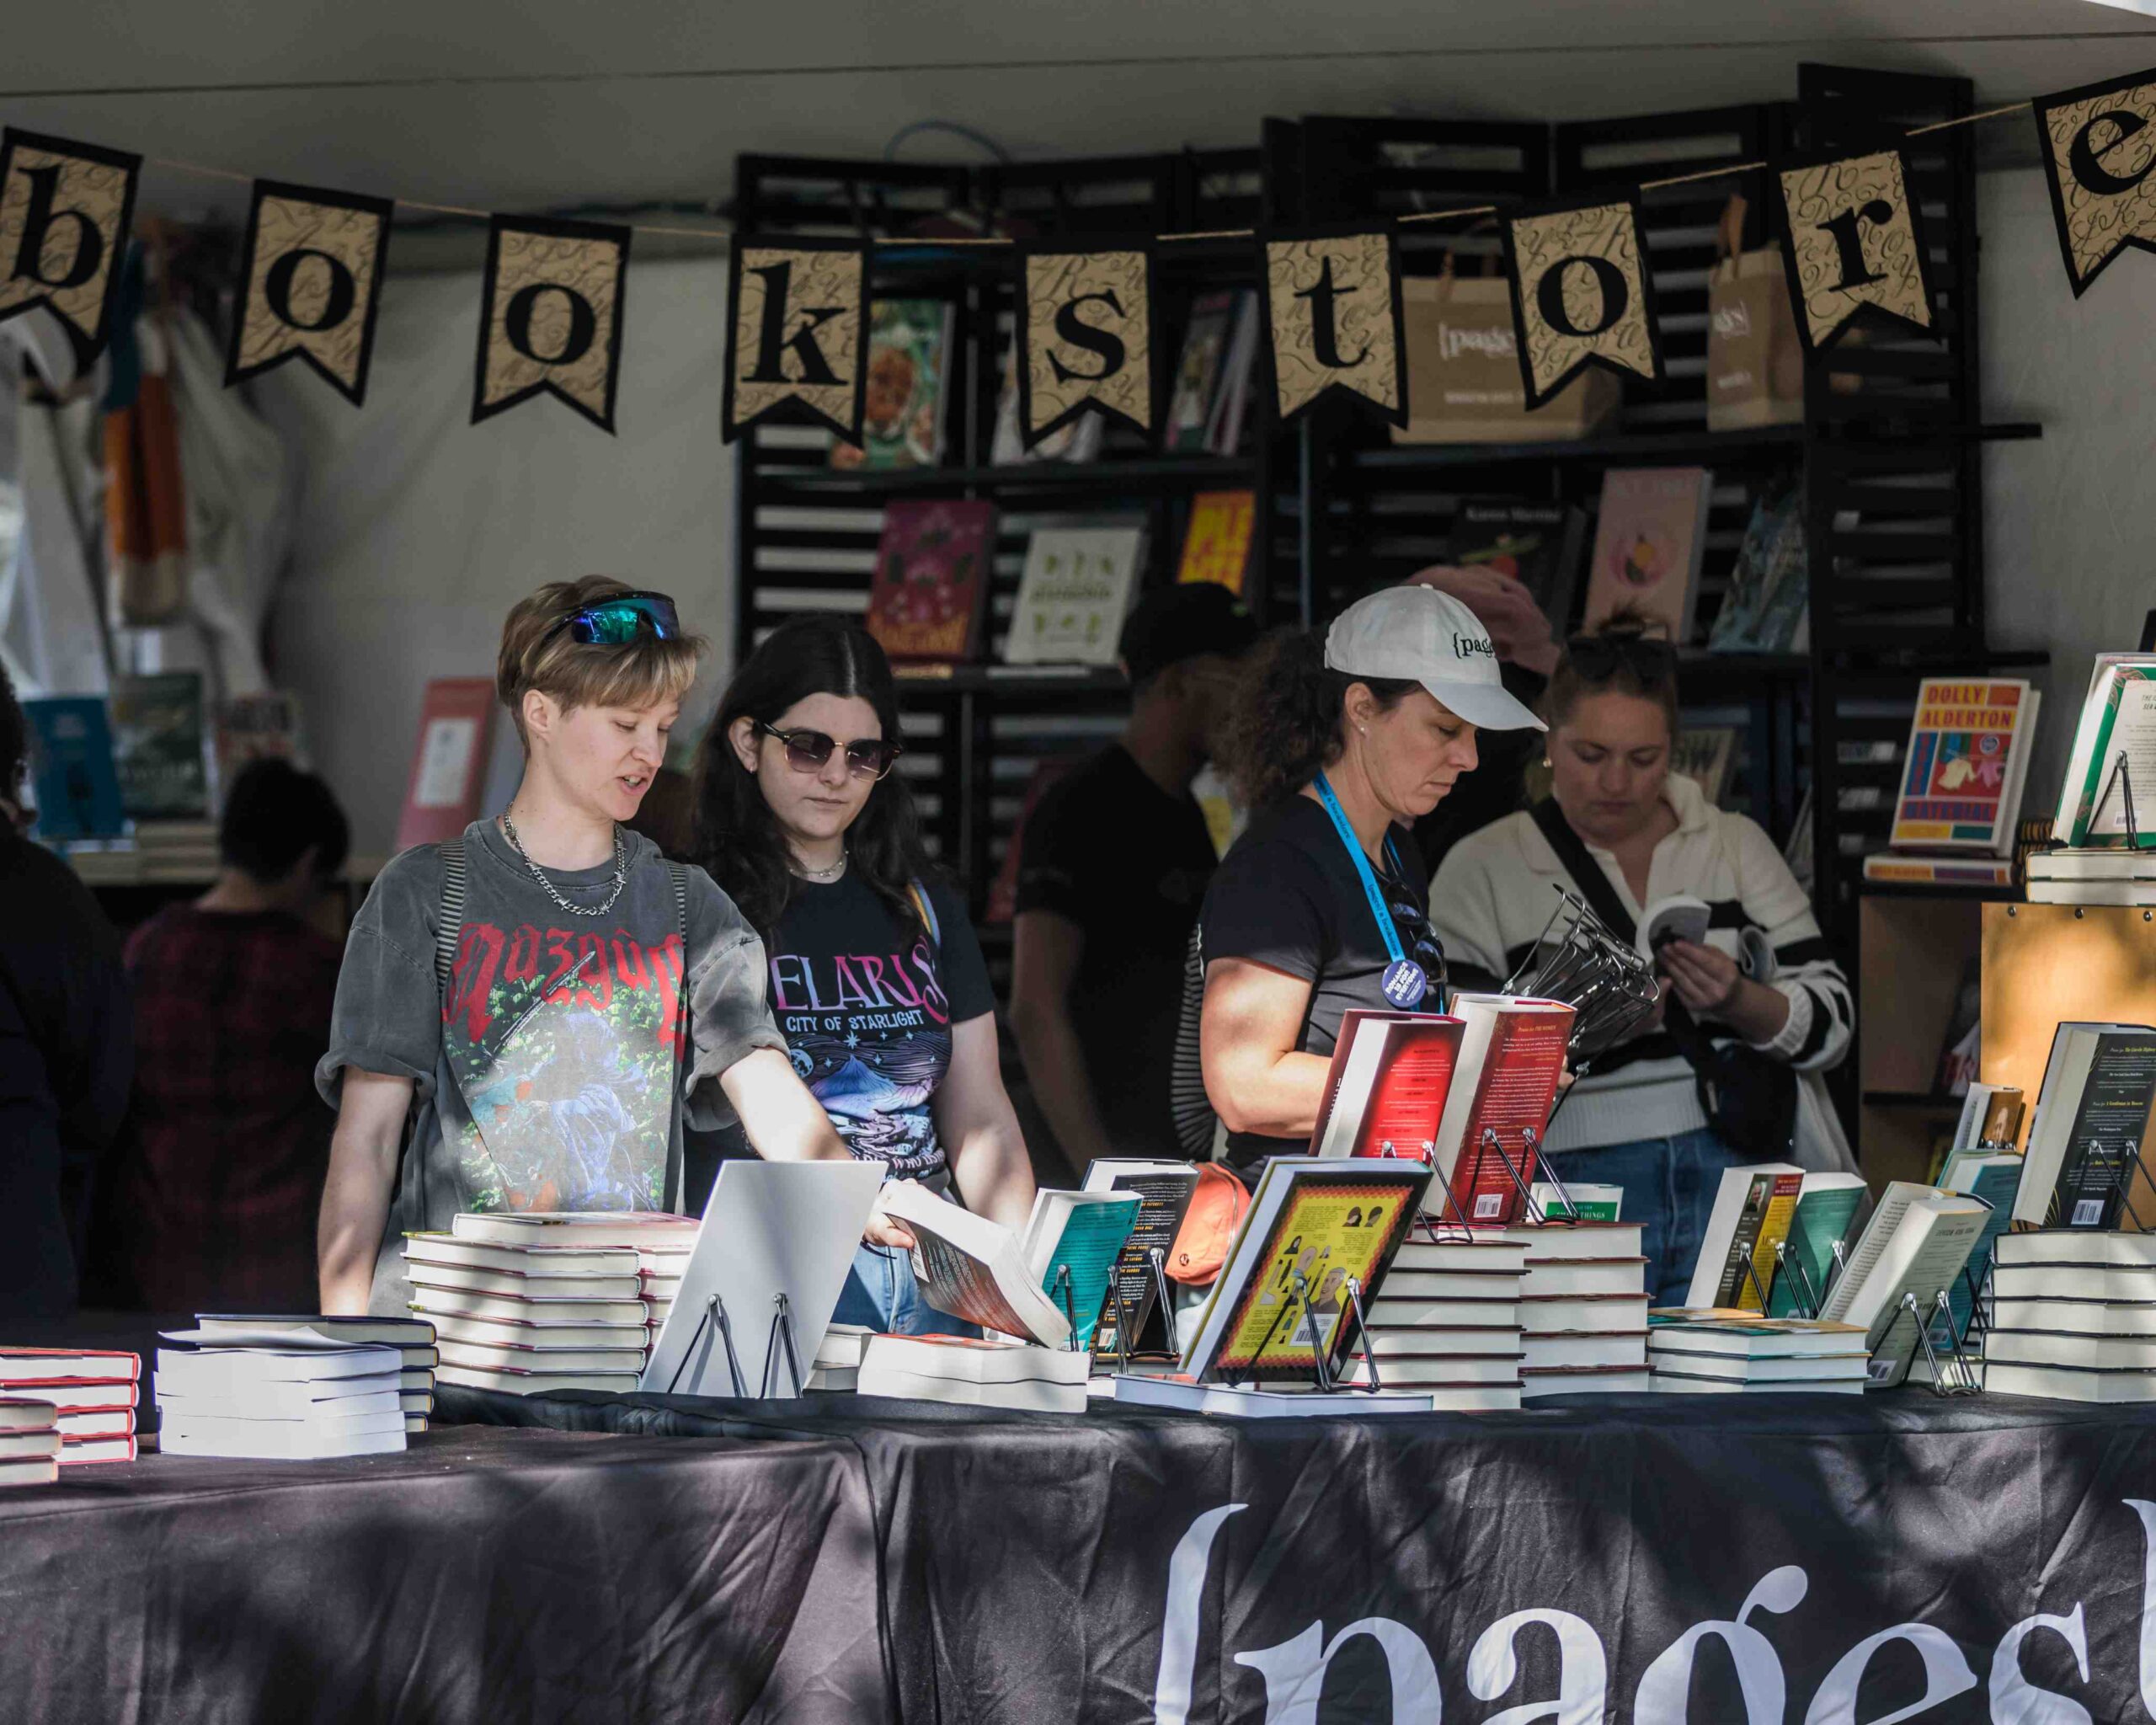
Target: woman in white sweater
point(1635, 1119)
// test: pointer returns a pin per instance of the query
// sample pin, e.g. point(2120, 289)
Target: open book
point(974, 1269)
point(1916, 1243)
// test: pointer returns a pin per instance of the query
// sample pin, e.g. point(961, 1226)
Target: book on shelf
point(1707, 756)
point(1831, 1210)
point(1990, 1120)
point(1649, 538)
point(1914, 1245)
point(1766, 607)
point(2090, 1121)
point(448, 761)
point(1960, 1046)
point(1217, 540)
point(974, 1269)
point(1246, 1401)
point(1538, 545)
point(1209, 398)
point(908, 375)
point(1164, 1191)
point(1966, 764)
point(1512, 1053)
point(249, 728)
point(158, 746)
point(1074, 593)
point(930, 588)
point(1077, 439)
point(2117, 719)
point(1078, 1237)
point(1279, 1303)
point(72, 774)
point(988, 1372)
point(1386, 1086)
point(1996, 1179)
point(1894, 869)
point(1579, 1200)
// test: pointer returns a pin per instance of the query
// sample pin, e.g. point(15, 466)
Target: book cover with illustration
point(931, 582)
point(72, 768)
point(909, 377)
point(1967, 756)
point(158, 746)
point(1216, 544)
point(1649, 537)
point(1536, 544)
point(1074, 592)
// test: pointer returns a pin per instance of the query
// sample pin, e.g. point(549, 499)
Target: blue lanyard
point(1390, 935)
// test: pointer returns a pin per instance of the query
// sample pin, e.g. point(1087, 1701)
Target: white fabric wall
point(2069, 520)
point(417, 530)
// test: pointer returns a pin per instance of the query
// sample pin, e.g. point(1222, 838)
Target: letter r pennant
point(797, 336)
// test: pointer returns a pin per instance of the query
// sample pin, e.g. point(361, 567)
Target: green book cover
point(1823, 1217)
point(1092, 1238)
point(1997, 1186)
point(158, 746)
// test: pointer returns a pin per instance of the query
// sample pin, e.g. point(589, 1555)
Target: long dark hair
point(1286, 728)
point(737, 838)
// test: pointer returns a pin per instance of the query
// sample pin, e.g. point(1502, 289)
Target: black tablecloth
point(1729, 1560)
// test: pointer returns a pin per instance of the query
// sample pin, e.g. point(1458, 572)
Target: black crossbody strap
point(449, 923)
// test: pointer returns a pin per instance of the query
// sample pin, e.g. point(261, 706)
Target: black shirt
point(66, 1059)
point(1110, 851)
point(866, 998)
point(1289, 896)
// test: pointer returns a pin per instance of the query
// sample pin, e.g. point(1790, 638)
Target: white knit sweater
point(1494, 895)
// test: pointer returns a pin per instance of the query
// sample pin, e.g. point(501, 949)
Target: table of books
point(1734, 1559)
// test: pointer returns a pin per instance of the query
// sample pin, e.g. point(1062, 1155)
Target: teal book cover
point(1821, 1218)
point(1092, 1239)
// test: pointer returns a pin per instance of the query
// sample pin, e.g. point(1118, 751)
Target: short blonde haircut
point(538, 655)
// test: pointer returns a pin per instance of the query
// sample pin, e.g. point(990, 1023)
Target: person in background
point(1635, 1120)
point(66, 1052)
point(1321, 905)
point(1527, 652)
point(553, 994)
point(215, 1197)
point(876, 977)
point(1112, 864)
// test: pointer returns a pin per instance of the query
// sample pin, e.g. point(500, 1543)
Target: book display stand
point(2122, 775)
point(781, 1339)
point(1321, 1374)
point(1126, 1324)
point(1953, 1371)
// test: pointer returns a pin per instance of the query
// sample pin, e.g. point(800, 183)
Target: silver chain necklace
point(553, 892)
point(824, 877)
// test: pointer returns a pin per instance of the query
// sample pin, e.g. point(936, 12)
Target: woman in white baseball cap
point(1320, 907)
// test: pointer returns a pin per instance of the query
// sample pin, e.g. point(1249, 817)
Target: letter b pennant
point(64, 213)
point(2099, 144)
point(1581, 294)
point(311, 284)
point(551, 316)
point(1854, 242)
point(796, 336)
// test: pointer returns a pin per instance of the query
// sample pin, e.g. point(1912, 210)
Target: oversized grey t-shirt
point(574, 1102)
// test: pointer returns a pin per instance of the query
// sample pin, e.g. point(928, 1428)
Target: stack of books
point(2074, 1316)
point(30, 1442)
point(1583, 1308)
point(837, 1362)
point(1722, 1352)
point(994, 1373)
point(91, 1391)
point(539, 1302)
point(179, 852)
point(1446, 1322)
point(412, 1338)
point(277, 1395)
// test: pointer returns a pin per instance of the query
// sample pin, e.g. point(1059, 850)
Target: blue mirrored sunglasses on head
point(620, 619)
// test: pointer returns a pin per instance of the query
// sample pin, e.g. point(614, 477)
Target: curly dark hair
point(1285, 727)
point(738, 839)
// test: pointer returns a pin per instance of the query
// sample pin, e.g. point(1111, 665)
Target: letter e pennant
point(310, 286)
point(64, 213)
point(1086, 339)
point(795, 337)
point(551, 317)
point(1854, 242)
point(1331, 303)
point(2099, 146)
point(1581, 294)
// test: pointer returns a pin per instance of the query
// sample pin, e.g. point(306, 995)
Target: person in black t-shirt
point(1341, 748)
point(877, 980)
point(1112, 867)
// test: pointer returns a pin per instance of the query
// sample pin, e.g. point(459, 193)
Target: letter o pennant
point(551, 316)
point(795, 337)
point(64, 214)
point(1581, 294)
point(2099, 146)
point(311, 284)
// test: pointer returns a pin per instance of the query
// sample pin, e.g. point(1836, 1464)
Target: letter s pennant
point(64, 214)
point(310, 285)
point(1582, 295)
point(2099, 146)
point(797, 338)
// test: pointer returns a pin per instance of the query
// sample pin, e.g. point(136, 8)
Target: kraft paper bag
point(1463, 370)
point(1755, 357)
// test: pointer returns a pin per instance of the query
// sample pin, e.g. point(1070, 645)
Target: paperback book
point(931, 585)
point(975, 1269)
point(1966, 760)
point(908, 369)
point(1073, 1242)
point(1538, 545)
point(72, 775)
point(1649, 538)
point(2091, 1122)
point(1753, 1208)
point(2117, 723)
point(1216, 543)
point(158, 746)
point(1164, 1191)
point(1074, 594)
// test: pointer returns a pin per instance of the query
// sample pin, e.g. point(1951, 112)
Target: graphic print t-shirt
point(865, 999)
point(554, 1075)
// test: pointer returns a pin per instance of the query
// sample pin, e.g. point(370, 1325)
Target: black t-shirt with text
point(1289, 896)
point(1110, 851)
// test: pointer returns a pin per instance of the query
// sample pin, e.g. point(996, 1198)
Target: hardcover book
point(1216, 544)
point(1073, 1243)
point(931, 585)
point(1967, 756)
point(1649, 537)
point(2091, 1121)
point(1511, 1053)
point(448, 761)
point(1074, 594)
point(72, 768)
point(1831, 1211)
point(909, 377)
point(158, 746)
point(1751, 1212)
point(2118, 721)
point(1164, 1192)
point(1385, 1090)
point(1536, 544)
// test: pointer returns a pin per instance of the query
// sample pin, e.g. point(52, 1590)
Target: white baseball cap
point(1418, 634)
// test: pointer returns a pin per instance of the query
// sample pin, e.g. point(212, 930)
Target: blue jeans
point(1670, 1185)
point(880, 1292)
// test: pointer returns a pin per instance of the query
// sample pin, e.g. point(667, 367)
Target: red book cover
point(1386, 1092)
point(449, 761)
point(1511, 1057)
point(931, 585)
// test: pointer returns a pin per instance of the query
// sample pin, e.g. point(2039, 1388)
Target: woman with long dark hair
point(877, 979)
